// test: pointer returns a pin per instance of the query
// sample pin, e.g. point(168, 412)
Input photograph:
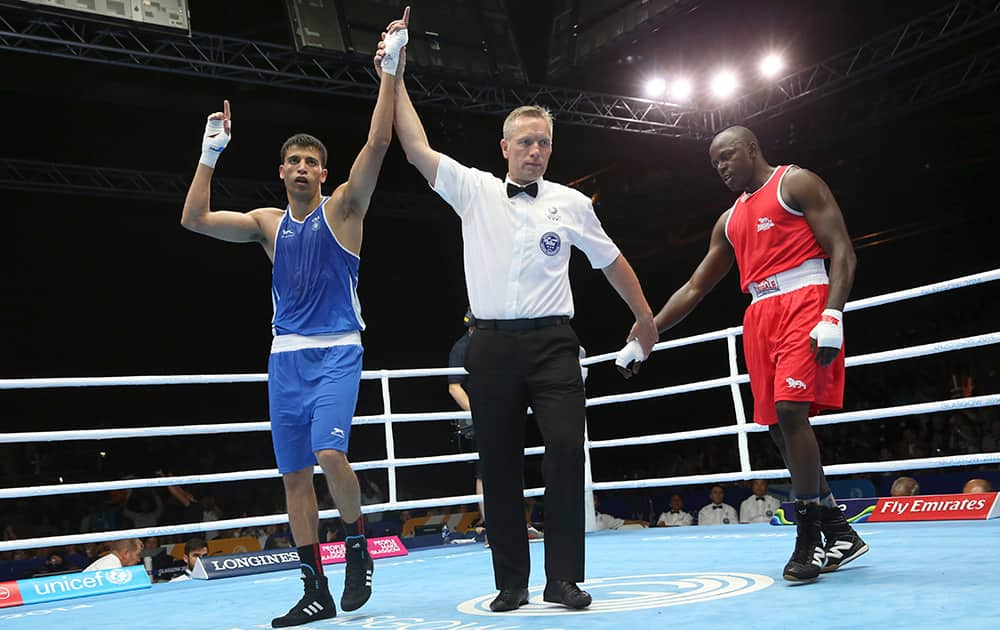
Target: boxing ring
point(916, 575)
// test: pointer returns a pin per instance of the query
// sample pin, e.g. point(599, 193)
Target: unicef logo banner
point(635, 592)
point(50, 589)
point(118, 576)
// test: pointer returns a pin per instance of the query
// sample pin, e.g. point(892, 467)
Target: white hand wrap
point(829, 332)
point(631, 352)
point(214, 141)
point(394, 42)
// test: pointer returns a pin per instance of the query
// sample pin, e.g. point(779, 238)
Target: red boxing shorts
point(776, 343)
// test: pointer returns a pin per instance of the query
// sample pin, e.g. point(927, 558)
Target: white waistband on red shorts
point(812, 271)
point(292, 342)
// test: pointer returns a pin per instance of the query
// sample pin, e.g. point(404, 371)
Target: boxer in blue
point(315, 366)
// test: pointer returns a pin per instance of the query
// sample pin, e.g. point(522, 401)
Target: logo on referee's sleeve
point(550, 243)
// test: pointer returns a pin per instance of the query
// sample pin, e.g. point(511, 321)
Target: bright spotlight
point(772, 65)
point(680, 89)
point(655, 87)
point(724, 84)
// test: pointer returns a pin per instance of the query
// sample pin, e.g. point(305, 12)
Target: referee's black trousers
point(508, 371)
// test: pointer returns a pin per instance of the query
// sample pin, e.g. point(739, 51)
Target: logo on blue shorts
point(550, 243)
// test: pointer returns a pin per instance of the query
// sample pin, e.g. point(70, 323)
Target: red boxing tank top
point(767, 234)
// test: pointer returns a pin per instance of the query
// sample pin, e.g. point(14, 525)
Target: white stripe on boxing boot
point(838, 549)
point(819, 557)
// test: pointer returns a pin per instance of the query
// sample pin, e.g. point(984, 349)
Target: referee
point(517, 235)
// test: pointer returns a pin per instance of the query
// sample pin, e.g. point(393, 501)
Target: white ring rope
point(207, 379)
point(976, 459)
point(195, 379)
point(854, 305)
point(955, 404)
point(235, 427)
point(388, 418)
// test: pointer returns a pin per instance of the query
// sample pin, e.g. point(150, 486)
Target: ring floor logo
point(636, 592)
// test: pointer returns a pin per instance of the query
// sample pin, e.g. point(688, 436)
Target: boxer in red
point(780, 232)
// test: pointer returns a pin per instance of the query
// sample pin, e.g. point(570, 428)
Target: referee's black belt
point(521, 324)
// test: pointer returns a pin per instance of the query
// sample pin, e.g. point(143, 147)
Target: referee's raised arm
point(409, 129)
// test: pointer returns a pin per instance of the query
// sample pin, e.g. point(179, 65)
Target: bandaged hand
point(630, 358)
point(829, 332)
point(394, 43)
point(218, 131)
point(827, 337)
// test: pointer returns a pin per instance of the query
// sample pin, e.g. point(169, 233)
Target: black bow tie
point(530, 189)
point(759, 498)
point(716, 507)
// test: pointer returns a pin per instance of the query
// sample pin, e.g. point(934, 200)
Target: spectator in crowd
point(905, 487)
point(977, 485)
point(607, 521)
point(458, 389)
point(210, 512)
point(910, 447)
point(57, 562)
point(676, 516)
point(962, 383)
point(101, 518)
point(885, 454)
point(717, 512)
point(151, 547)
point(965, 437)
point(991, 439)
point(760, 506)
point(193, 549)
point(144, 508)
point(124, 553)
point(160, 562)
point(188, 509)
point(280, 538)
point(939, 438)
point(372, 494)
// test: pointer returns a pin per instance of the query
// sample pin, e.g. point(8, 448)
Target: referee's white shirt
point(758, 509)
point(722, 514)
point(517, 249)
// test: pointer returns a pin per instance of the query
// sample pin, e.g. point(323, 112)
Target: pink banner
point(387, 547)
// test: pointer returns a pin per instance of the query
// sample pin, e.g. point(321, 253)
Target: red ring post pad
point(936, 507)
point(72, 585)
point(230, 565)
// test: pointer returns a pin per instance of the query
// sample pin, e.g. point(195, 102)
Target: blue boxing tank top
point(314, 283)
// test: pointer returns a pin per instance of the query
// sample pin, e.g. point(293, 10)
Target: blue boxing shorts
point(312, 394)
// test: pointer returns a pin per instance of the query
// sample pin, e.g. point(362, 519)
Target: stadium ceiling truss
point(99, 181)
point(238, 60)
